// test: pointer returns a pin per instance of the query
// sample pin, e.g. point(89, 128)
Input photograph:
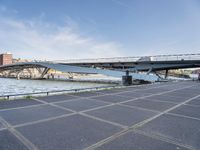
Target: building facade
point(6, 59)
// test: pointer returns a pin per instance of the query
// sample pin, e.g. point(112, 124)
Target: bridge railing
point(177, 57)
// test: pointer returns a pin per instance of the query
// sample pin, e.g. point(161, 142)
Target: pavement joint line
point(67, 115)
point(157, 137)
point(54, 105)
point(71, 100)
point(103, 120)
point(145, 97)
point(132, 96)
point(131, 86)
point(192, 105)
point(73, 112)
point(18, 135)
point(149, 92)
point(15, 108)
point(83, 112)
point(43, 104)
point(109, 95)
point(100, 101)
point(35, 99)
point(108, 139)
point(71, 95)
point(79, 113)
point(82, 99)
point(151, 84)
point(140, 108)
point(183, 116)
point(106, 101)
point(57, 94)
point(156, 94)
point(94, 99)
point(137, 125)
point(135, 90)
point(97, 108)
point(95, 92)
point(78, 98)
point(2, 129)
point(122, 96)
point(156, 100)
point(127, 91)
point(181, 96)
point(132, 128)
point(172, 96)
point(118, 103)
point(43, 120)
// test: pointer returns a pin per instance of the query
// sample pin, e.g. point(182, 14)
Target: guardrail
point(57, 91)
point(135, 59)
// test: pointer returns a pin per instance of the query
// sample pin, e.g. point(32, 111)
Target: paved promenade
point(162, 116)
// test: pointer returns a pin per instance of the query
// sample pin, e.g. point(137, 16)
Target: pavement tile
point(24, 115)
point(72, 133)
point(9, 142)
point(178, 129)
point(122, 114)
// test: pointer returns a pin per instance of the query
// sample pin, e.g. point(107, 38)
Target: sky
point(77, 29)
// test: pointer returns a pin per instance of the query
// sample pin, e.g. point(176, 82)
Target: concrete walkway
point(150, 117)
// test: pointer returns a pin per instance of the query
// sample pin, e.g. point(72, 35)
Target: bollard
point(127, 79)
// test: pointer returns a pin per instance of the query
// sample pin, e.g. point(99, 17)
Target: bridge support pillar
point(127, 79)
point(44, 72)
point(18, 77)
point(166, 74)
point(150, 70)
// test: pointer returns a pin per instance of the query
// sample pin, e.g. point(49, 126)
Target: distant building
point(19, 60)
point(5, 59)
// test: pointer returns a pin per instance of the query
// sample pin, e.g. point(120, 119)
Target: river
point(12, 86)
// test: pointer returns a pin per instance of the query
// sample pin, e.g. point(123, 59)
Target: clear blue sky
point(65, 29)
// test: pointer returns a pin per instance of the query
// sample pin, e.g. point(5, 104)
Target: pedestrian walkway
point(163, 116)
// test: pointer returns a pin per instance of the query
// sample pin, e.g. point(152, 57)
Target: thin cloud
point(42, 40)
point(118, 2)
point(3, 8)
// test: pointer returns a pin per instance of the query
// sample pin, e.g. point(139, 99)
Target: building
point(5, 59)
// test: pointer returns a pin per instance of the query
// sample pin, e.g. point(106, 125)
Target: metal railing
point(47, 93)
point(177, 57)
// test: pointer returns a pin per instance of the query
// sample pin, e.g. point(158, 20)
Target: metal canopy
point(62, 68)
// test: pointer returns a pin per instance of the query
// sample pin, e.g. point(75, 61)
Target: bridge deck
point(153, 117)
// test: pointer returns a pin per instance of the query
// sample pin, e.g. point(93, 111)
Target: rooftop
point(149, 117)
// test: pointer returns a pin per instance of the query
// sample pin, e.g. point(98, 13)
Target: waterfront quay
point(163, 116)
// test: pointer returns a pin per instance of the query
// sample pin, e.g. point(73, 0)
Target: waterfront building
point(5, 58)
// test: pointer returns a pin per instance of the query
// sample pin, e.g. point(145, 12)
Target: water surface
point(13, 86)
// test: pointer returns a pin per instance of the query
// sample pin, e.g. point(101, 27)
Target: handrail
point(174, 57)
point(56, 91)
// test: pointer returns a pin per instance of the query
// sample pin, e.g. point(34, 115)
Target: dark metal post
point(127, 73)
point(127, 79)
point(166, 74)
